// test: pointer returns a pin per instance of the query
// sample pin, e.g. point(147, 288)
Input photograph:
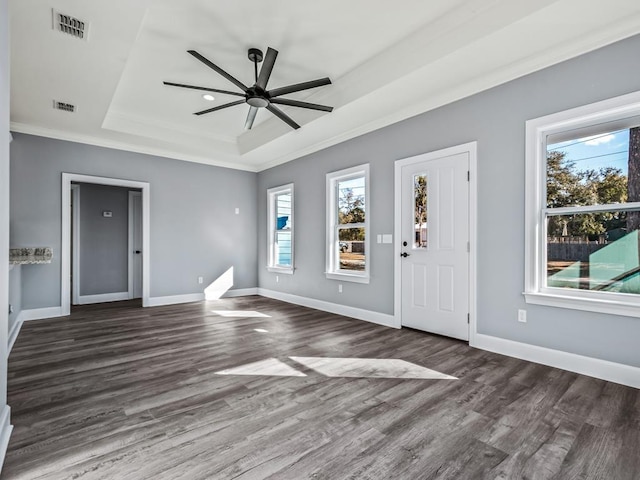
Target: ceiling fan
point(257, 96)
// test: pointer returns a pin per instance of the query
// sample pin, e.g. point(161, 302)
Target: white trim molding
point(5, 431)
point(241, 292)
point(471, 149)
point(103, 298)
point(175, 299)
point(592, 367)
point(65, 254)
point(13, 335)
point(353, 312)
point(40, 313)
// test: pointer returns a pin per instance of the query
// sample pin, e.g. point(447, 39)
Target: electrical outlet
point(522, 316)
point(277, 278)
point(339, 288)
point(200, 279)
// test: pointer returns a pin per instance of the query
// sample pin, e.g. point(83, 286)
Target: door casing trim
point(65, 253)
point(471, 148)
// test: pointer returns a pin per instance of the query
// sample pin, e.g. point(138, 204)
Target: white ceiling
point(387, 63)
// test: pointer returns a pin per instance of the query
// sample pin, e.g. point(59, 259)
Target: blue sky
point(597, 151)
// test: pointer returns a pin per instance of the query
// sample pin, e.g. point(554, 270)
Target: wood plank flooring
point(119, 392)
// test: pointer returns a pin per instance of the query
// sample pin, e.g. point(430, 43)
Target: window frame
point(538, 130)
point(333, 270)
point(272, 195)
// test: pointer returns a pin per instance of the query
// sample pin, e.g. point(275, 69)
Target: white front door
point(434, 243)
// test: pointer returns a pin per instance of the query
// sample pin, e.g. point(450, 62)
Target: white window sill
point(285, 270)
point(347, 277)
point(612, 307)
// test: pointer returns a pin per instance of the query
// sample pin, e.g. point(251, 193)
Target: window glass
point(280, 229)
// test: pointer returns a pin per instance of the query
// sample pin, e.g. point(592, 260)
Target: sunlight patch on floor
point(240, 313)
point(369, 368)
point(270, 367)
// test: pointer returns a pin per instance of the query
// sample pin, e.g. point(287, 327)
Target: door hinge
point(468, 247)
point(468, 318)
point(468, 175)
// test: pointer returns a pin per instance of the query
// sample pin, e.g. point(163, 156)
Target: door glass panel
point(420, 210)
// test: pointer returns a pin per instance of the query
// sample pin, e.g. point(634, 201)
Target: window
point(583, 208)
point(280, 201)
point(348, 225)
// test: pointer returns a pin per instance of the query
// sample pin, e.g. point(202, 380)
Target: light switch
point(387, 238)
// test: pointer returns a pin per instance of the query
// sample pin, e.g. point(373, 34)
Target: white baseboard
point(241, 292)
point(5, 432)
point(103, 297)
point(39, 313)
point(175, 299)
point(13, 334)
point(359, 313)
point(593, 367)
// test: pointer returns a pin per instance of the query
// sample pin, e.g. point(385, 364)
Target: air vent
point(70, 25)
point(64, 106)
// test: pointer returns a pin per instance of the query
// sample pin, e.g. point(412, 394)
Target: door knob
point(404, 254)
point(404, 243)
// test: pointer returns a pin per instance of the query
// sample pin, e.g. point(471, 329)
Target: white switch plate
point(339, 288)
point(387, 238)
point(379, 238)
point(522, 316)
point(237, 211)
point(200, 279)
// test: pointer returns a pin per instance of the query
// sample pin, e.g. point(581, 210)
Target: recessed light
point(208, 97)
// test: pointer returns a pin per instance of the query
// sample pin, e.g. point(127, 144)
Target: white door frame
point(75, 292)
point(130, 245)
point(471, 149)
point(65, 254)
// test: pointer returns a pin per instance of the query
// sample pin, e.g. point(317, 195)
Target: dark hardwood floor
point(120, 392)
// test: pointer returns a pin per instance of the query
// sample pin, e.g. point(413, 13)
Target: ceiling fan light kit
point(257, 96)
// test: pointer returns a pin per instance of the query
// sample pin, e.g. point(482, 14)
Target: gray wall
point(15, 294)
point(496, 119)
point(4, 195)
point(194, 231)
point(104, 252)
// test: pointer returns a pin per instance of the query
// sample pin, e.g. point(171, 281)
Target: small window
point(583, 208)
point(348, 225)
point(280, 201)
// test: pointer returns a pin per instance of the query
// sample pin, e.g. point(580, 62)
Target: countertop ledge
point(30, 255)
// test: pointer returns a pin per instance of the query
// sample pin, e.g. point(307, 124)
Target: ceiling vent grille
point(64, 106)
point(70, 25)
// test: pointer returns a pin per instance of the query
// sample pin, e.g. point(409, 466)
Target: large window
point(348, 224)
point(583, 208)
point(280, 225)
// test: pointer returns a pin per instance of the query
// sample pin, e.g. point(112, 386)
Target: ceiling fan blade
point(267, 67)
point(206, 89)
point(250, 118)
point(282, 116)
point(297, 103)
point(276, 92)
point(220, 107)
point(212, 65)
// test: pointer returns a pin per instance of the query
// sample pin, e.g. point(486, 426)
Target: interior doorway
point(136, 238)
point(434, 230)
point(106, 233)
